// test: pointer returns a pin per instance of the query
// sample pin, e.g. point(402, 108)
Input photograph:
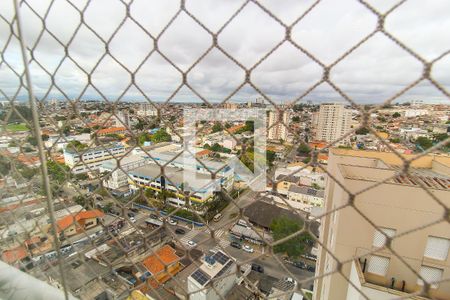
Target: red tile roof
point(67, 221)
point(203, 153)
point(165, 256)
point(235, 128)
point(111, 130)
point(13, 255)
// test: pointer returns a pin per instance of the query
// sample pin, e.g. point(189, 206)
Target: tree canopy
point(294, 247)
point(57, 172)
point(424, 142)
point(161, 136)
point(217, 127)
point(303, 149)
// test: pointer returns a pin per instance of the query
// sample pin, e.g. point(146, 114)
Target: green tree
point(27, 172)
point(66, 130)
point(381, 119)
point(396, 115)
point(217, 127)
point(57, 172)
point(296, 119)
point(19, 113)
point(270, 157)
point(32, 140)
point(439, 137)
point(298, 107)
point(76, 146)
point(303, 149)
point(144, 137)
point(5, 166)
point(424, 142)
point(247, 159)
point(249, 126)
point(161, 136)
point(294, 247)
point(45, 137)
point(86, 130)
point(362, 131)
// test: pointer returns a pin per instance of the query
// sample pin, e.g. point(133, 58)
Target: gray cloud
point(372, 73)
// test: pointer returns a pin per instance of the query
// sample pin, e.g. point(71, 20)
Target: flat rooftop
point(207, 271)
point(416, 176)
point(196, 181)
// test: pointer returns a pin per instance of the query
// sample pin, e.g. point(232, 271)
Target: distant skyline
point(374, 72)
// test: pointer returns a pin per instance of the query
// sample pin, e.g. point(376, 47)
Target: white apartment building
point(334, 122)
point(91, 159)
point(147, 110)
point(278, 131)
point(396, 204)
point(306, 195)
point(58, 143)
point(117, 178)
point(218, 268)
point(123, 119)
point(201, 186)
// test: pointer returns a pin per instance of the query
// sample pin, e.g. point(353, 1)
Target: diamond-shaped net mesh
point(93, 200)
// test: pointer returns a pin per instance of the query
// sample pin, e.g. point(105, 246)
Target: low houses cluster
point(74, 224)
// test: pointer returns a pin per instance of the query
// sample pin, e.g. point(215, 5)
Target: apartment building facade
point(334, 121)
point(397, 207)
point(277, 130)
point(92, 158)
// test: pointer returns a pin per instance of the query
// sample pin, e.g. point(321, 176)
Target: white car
point(173, 222)
point(192, 243)
point(248, 249)
point(132, 219)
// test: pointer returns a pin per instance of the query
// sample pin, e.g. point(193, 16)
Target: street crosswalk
point(188, 236)
point(219, 233)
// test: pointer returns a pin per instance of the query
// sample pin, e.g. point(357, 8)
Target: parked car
point(300, 264)
point(289, 279)
point(172, 221)
point(130, 214)
point(192, 243)
point(248, 249)
point(217, 217)
point(180, 231)
point(257, 268)
point(311, 268)
point(242, 223)
point(133, 219)
point(236, 245)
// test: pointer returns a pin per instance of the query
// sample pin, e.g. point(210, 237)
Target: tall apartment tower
point(123, 119)
point(147, 110)
point(278, 131)
point(399, 208)
point(334, 122)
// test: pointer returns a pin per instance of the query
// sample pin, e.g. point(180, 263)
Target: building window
point(378, 265)
point(379, 239)
point(430, 275)
point(437, 248)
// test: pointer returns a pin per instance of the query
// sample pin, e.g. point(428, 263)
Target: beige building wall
point(278, 131)
point(347, 234)
point(334, 121)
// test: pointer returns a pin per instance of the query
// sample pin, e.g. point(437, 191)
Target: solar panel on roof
point(200, 277)
point(221, 258)
point(226, 267)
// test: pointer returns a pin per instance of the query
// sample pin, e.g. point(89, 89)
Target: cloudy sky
point(375, 71)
